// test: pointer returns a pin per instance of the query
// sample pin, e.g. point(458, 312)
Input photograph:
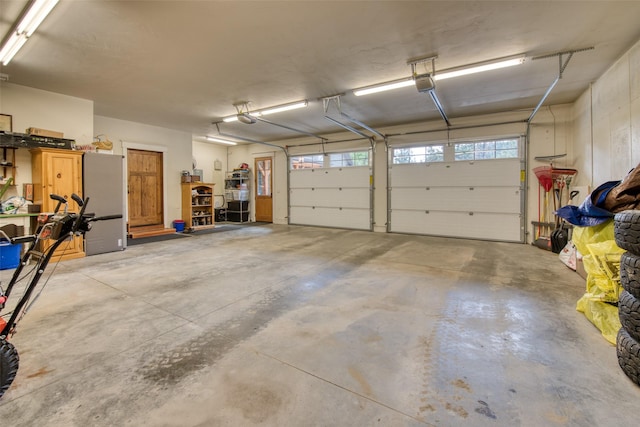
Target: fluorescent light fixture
point(444, 74)
point(271, 110)
point(281, 108)
point(220, 140)
point(396, 84)
point(30, 21)
point(478, 68)
point(35, 16)
point(13, 45)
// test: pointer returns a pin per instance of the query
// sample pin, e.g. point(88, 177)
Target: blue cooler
point(9, 255)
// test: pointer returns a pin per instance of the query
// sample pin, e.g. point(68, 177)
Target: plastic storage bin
point(178, 224)
point(9, 255)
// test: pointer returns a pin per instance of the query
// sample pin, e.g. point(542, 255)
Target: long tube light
point(220, 140)
point(444, 74)
point(396, 84)
point(26, 27)
point(478, 68)
point(271, 110)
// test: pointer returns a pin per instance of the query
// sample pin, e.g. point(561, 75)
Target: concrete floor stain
point(206, 349)
point(40, 373)
point(362, 381)
point(484, 409)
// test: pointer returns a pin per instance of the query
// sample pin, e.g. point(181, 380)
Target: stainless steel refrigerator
point(103, 183)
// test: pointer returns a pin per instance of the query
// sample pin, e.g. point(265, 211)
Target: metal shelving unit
point(236, 190)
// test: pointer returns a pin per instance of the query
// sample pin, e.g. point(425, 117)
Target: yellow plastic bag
point(604, 316)
point(582, 236)
point(601, 260)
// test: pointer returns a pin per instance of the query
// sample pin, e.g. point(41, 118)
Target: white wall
point(205, 154)
point(175, 145)
point(31, 107)
point(606, 123)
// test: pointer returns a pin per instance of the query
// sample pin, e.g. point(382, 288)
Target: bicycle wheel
point(8, 365)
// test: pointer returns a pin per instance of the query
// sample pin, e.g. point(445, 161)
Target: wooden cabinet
point(56, 171)
point(197, 205)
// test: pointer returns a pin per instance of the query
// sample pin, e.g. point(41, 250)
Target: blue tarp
point(590, 212)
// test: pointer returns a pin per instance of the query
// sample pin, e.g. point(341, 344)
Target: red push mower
point(53, 229)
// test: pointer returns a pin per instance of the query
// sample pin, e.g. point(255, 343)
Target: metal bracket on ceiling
point(243, 115)
point(414, 62)
point(561, 55)
point(260, 119)
point(562, 65)
point(255, 141)
point(425, 83)
point(335, 99)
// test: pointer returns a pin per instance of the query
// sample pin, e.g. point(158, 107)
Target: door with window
point(264, 199)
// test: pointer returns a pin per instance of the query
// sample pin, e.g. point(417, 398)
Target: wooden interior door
point(144, 188)
point(264, 200)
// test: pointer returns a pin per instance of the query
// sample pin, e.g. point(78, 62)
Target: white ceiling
point(183, 64)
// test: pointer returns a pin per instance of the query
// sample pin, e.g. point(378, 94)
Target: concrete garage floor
point(300, 326)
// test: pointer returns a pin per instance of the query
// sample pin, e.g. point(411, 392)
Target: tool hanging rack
point(551, 180)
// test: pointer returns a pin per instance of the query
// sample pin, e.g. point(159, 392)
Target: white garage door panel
point(479, 200)
point(341, 197)
point(330, 177)
point(330, 197)
point(483, 199)
point(331, 217)
point(480, 173)
point(504, 227)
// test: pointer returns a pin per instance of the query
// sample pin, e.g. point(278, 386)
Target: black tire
point(8, 365)
point(629, 312)
point(627, 230)
point(628, 351)
point(630, 273)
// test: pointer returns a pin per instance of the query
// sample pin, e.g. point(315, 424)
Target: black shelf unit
point(236, 190)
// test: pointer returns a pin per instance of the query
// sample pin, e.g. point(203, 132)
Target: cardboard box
point(580, 268)
point(27, 191)
point(44, 132)
point(189, 178)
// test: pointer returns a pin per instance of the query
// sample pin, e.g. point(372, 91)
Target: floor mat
point(227, 227)
point(151, 239)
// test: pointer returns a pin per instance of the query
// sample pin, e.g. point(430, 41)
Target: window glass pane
point(307, 162)
point(263, 177)
point(335, 160)
point(418, 158)
point(464, 156)
point(401, 155)
point(355, 158)
point(506, 144)
point(422, 154)
point(484, 150)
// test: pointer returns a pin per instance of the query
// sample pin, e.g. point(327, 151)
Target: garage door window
point(333, 160)
point(423, 154)
point(484, 150)
point(356, 158)
point(307, 162)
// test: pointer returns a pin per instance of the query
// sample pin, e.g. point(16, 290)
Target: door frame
point(146, 147)
point(271, 156)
